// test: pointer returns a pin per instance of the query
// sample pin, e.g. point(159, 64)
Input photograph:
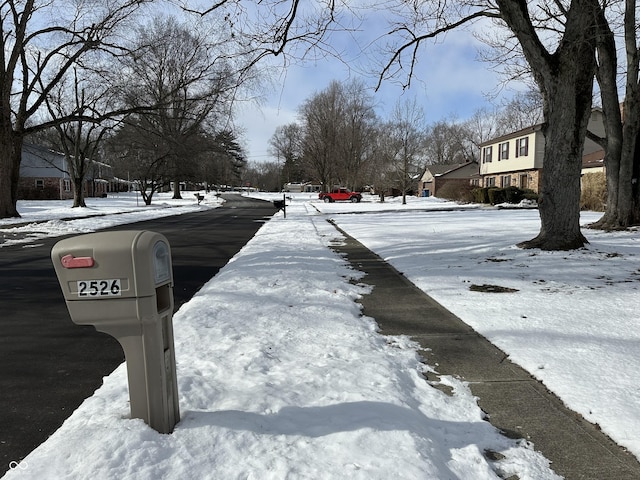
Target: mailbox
point(122, 283)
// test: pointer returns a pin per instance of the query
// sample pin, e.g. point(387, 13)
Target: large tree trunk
point(635, 183)
point(10, 158)
point(622, 160)
point(565, 79)
point(622, 155)
point(78, 193)
point(560, 190)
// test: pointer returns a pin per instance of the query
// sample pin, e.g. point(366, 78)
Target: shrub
point(513, 195)
point(497, 195)
point(457, 192)
point(594, 192)
point(480, 195)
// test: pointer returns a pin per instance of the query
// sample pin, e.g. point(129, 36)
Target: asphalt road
point(49, 365)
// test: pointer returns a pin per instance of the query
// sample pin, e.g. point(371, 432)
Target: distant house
point(516, 159)
point(436, 176)
point(100, 180)
point(44, 176)
point(307, 187)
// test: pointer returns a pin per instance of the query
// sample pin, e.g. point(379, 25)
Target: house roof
point(439, 170)
point(593, 160)
point(509, 136)
point(525, 131)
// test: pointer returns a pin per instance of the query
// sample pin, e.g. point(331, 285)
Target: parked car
point(340, 194)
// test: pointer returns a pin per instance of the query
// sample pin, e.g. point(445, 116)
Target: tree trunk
point(622, 159)
point(78, 193)
point(565, 79)
point(10, 158)
point(176, 190)
point(560, 190)
point(635, 184)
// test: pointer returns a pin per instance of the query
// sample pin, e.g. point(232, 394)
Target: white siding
point(533, 158)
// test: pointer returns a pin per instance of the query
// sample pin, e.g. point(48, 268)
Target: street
point(48, 365)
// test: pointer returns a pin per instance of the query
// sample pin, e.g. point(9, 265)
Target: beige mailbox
point(122, 283)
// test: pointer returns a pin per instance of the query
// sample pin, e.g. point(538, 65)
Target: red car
point(340, 194)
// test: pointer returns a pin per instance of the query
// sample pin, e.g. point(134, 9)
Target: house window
point(522, 147)
point(504, 151)
point(505, 181)
point(486, 155)
point(491, 182)
point(39, 183)
point(67, 185)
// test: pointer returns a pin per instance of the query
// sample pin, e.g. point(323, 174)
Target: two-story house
point(44, 176)
point(516, 159)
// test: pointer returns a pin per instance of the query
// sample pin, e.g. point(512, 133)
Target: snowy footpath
point(281, 377)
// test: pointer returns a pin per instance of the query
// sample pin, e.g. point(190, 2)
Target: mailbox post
point(122, 283)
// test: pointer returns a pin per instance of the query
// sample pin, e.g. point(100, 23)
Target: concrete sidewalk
point(516, 403)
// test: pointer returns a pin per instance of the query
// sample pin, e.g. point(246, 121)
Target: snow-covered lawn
point(280, 377)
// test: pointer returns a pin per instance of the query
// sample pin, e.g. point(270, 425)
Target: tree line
point(123, 82)
point(340, 140)
point(78, 68)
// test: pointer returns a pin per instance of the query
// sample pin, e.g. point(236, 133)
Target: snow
point(280, 376)
point(51, 218)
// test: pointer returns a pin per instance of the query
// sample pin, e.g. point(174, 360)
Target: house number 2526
point(99, 288)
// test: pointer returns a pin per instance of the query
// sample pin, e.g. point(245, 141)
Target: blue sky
point(450, 82)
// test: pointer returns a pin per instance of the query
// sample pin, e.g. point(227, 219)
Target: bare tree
point(266, 176)
point(290, 29)
point(177, 69)
point(286, 146)
point(321, 116)
point(522, 111)
point(358, 128)
point(381, 174)
point(621, 120)
point(557, 39)
point(564, 74)
point(135, 156)
point(338, 124)
point(482, 126)
point(80, 140)
point(41, 42)
point(407, 140)
point(446, 143)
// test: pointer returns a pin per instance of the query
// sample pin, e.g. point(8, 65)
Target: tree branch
point(416, 40)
